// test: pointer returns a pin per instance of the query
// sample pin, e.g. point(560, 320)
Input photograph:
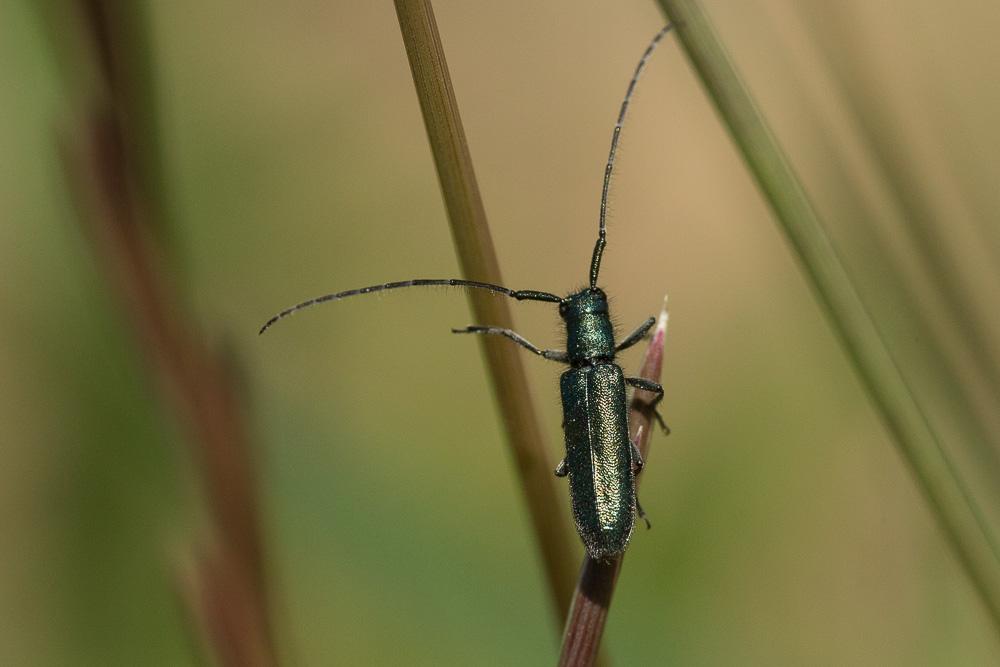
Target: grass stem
point(946, 493)
point(478, 262)
point(104, 162)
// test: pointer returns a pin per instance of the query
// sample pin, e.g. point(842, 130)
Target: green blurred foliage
point(786, 529)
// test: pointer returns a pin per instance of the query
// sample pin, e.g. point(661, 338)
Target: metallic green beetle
point(601, 460)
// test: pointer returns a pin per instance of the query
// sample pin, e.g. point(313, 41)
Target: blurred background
point(285, 157)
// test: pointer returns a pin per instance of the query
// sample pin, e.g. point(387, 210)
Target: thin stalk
point(478, 262)
point(912, 204)
point(592, 597)
point(105, 160)
point(952, 505)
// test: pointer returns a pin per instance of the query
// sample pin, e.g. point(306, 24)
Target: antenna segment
point(595, 262)
point(520, 295)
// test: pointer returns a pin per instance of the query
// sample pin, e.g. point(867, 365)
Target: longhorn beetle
point(601, 460)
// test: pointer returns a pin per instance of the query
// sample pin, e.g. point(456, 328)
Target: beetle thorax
point(589, 335)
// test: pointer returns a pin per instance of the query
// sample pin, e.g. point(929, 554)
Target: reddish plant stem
point(592, 598)
point(104, 165)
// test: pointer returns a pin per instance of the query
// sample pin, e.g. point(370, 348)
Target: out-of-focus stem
point(105, 166)
point(592, 597)
point(951, 503)
point(478, 261)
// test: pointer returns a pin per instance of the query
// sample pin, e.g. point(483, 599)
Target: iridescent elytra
point(601, 459)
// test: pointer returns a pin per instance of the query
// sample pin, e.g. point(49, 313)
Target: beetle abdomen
point(599, 457)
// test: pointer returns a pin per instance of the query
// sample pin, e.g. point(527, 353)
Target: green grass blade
point(945, 491)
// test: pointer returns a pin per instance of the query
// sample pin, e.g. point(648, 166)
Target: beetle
point(601, 459)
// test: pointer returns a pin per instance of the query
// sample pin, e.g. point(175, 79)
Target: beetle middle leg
point(554, 355)
point(639, 465)
point(636, 454)
point(641, 331)
point(656, 388)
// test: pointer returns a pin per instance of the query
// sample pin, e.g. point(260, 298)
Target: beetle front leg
point(636, 335)
point(554, 355)
point(656, 388)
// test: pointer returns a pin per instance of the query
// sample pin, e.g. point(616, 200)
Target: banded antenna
point(520, 295)
point(602, 233)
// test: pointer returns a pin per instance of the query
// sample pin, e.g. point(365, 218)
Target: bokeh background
point(293, 162)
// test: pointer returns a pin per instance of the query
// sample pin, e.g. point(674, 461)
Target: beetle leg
point(639, 465)
point(659, 420)
point(641, 512)
point(636, 335)
point(554, 355)
point(656, 388)
point(562, 469)
point(636, 454)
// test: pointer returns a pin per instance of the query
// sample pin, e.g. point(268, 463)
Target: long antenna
point(595, 263)
point(520, 295)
